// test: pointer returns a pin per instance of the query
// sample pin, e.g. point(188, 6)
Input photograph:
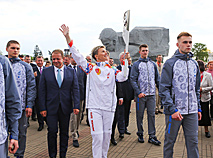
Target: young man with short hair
point(144, 76)
point(180, 95)
point(27, 90)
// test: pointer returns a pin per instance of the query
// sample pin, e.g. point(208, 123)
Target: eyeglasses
point(15, 48)
point(145, 50)
point(185, 42)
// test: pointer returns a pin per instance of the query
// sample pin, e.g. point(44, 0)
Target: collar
point(13, 60)
point(74, 65)
point(62, 68)
point(39, 67)
point(101, 64)
point(179, 55)
point(144, 59)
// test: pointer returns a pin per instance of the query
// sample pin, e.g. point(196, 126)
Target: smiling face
point(102, 55)
point(13, 50)
point(184, 44)
point(57, 59)
point(39, 62)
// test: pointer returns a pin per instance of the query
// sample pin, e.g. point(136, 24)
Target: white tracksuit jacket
point(101, 77)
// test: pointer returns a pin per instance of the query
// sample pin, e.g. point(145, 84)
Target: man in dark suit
point(117, 118)
point(58, 93)
point(128, 94)
point(75, 119)
point(27, 59)
point(37, 69)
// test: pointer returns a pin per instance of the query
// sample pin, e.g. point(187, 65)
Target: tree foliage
point(200, 52)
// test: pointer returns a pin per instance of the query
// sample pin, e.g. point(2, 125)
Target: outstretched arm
point(79, 58)
point(65, 30)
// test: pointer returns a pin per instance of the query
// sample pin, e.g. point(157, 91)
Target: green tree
point(200, 52)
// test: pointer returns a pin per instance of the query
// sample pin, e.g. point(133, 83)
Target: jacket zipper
point(188, 82)
point(148, 77)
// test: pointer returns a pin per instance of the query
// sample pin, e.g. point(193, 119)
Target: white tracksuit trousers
point(101, 129)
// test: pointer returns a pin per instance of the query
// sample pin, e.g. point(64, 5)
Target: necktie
point(40, 70)
point(59, 77)
point(74, 67)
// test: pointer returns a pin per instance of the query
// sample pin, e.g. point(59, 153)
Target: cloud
point(34, 22)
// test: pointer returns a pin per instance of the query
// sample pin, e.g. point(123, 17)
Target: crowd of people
point(59, 95)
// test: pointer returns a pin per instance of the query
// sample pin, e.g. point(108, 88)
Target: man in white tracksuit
point(100, 93)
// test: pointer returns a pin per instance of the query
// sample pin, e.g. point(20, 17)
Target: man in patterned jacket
point(27, 90)
point(10, 108)
point(180, 95)
point(144, 76)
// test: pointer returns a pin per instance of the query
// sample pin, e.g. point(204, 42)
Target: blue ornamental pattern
point(20, 75)
point(3, 131)
point(146, 79)
point(184, 81)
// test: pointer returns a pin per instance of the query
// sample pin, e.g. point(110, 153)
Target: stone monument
point(157, 39)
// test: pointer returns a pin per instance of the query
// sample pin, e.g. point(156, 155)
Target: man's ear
point(177, 44)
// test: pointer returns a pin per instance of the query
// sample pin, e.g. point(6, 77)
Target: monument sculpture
point(156, 37)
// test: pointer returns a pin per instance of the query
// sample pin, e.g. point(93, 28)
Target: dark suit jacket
point(81, 81)
point(119, 91)
point(128, 91)
point(33, 65)
point(37, 78)
point(51, 95)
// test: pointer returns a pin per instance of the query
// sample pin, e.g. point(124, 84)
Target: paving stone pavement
point(129, 147)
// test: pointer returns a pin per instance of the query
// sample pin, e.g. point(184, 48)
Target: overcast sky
point(37, 22)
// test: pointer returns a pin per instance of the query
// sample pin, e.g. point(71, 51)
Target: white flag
point(126, 20)
point(126, 35)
